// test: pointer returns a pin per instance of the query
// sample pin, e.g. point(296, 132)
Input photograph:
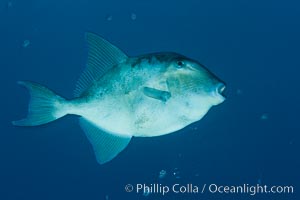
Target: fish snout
point(219, 92)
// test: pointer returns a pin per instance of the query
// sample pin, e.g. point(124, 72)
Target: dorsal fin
point(102, 56)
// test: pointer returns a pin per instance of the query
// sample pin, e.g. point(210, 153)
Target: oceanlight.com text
point(189, 188)
point(250, 189)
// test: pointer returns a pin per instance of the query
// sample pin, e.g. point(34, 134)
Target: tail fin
point(44, 106)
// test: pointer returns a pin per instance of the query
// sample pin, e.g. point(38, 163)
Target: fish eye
point(180, 64)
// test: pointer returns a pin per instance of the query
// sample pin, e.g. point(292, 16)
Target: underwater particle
point(133, 16)
point(264, 116)
point(259, 181)
point(26, 43)
point(176, 173)
point(146, 192)
point(162, 174)
point(239, 92)
point(106, 197)
point(35, 29)
point(9, 4)
point(108, 17)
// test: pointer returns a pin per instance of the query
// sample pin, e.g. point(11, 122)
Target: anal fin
point(106, 146)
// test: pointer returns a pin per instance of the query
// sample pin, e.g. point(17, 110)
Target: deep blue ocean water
point(252, 138)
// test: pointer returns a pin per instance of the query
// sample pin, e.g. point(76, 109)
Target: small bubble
point(162, 174)
point(26, 43)
point(108, 17)
point(264, 116)
point(133, 16)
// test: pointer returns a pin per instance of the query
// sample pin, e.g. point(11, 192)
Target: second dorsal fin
point(102, 56)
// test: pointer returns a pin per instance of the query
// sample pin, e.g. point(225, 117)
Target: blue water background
point(253, 137)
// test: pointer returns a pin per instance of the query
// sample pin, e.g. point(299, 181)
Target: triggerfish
point(119, 97)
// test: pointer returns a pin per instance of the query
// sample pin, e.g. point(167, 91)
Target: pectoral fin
point(157, 94)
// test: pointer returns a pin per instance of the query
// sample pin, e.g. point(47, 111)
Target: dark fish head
point(188, 78)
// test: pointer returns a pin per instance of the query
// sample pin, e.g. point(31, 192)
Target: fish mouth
point(220, 89)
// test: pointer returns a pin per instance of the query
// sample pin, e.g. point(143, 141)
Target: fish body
point(118, 97)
